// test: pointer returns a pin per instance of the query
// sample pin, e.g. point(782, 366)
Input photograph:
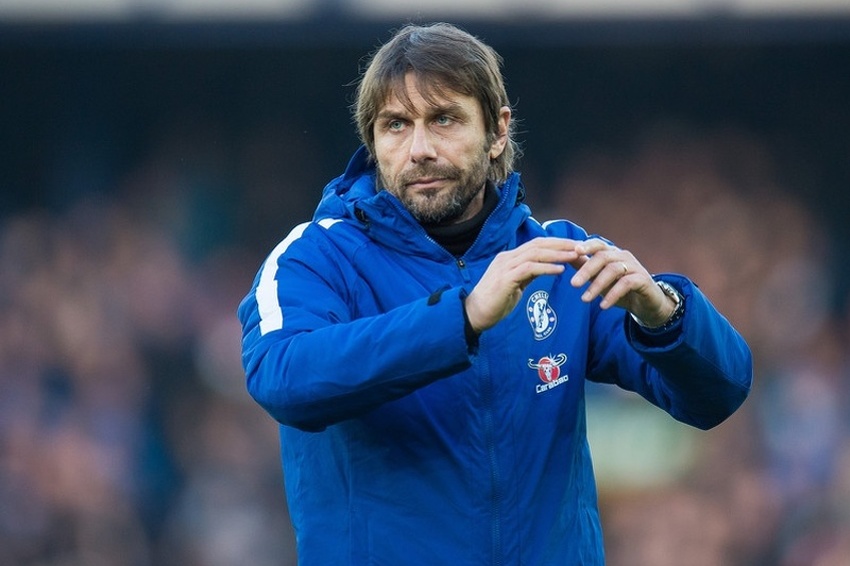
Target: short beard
point(439, 207)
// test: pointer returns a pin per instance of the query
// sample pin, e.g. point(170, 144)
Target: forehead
point(420, 95)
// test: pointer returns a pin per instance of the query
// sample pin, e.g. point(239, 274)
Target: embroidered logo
point(540, 315)
point(549, 371)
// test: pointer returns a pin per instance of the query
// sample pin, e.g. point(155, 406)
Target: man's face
point(435, 157)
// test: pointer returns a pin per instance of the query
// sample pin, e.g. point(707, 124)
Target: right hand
point(510, 272)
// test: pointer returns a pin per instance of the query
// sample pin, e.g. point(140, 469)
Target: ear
point(501, 140)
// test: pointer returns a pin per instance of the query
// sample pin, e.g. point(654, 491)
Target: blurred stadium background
point(152, 152)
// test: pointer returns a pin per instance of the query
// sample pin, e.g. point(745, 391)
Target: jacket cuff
point(651, 337)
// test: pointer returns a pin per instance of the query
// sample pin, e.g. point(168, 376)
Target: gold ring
point(625, 268)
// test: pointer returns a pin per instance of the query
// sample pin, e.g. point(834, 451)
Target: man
point(424, 341)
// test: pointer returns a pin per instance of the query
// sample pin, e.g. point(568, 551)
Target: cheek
point(385, 167)
point(387, 156)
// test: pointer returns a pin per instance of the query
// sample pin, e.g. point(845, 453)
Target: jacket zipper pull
point(461, 265)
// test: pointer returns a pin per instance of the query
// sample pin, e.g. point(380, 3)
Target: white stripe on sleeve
point(271, 312)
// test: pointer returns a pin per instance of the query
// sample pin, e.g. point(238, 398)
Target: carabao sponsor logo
point(549, 371)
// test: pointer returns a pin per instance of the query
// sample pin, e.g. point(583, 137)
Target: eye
point(395, 125)
point(443, 120)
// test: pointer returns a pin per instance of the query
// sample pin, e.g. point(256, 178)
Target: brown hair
point(442, 58)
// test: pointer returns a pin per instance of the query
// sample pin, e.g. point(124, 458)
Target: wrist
point(675, 315)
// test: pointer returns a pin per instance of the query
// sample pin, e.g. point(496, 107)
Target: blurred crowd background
point(146, 168)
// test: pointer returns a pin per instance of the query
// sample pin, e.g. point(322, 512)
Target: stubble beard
point(438, 206)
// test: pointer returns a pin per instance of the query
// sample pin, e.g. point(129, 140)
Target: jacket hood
point(353, 196)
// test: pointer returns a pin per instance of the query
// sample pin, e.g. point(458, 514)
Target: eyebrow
point(431, 110)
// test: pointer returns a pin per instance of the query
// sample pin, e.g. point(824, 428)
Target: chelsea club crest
point(540, 315)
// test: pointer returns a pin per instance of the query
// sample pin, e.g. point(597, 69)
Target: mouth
point(426, 183)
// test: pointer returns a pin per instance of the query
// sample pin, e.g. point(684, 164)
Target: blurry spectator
point(115, 446)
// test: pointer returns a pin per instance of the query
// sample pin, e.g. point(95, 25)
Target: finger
point(578, 263)
point(615, 293)
point(605, 281)
point(525, 273)
point(593, 246)
point(542, 250)
point(596, 263)
point(550, 243)
point(517, 268)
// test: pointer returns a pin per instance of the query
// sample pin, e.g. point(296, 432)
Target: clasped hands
point(608, 271)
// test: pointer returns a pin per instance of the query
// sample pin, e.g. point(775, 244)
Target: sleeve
point(310, 362)
point(701, 371)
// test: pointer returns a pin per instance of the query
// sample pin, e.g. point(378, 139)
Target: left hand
point(620, 280)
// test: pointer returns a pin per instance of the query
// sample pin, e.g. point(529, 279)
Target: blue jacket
point(401, 444)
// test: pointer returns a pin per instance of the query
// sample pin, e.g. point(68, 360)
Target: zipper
point(487, 395)
point(488, 401)
point(488, 409)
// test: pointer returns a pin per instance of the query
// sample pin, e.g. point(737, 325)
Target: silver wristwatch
point(678, 310)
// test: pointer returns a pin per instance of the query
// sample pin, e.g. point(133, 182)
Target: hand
point(510, 272)
point(620, 280)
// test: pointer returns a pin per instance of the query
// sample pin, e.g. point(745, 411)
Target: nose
point(422, 146)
